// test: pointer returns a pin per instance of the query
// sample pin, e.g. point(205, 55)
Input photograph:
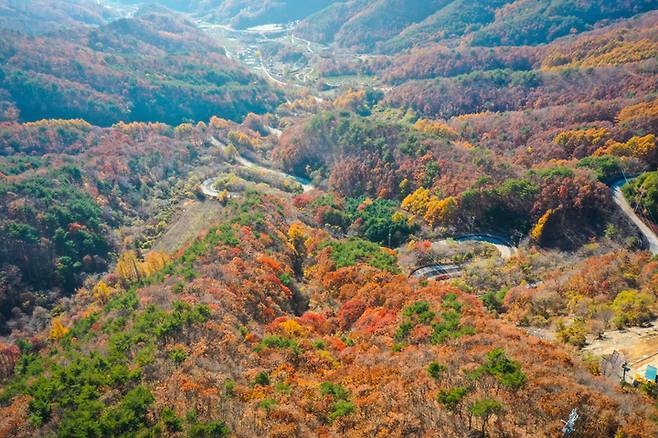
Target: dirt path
point(195, 218)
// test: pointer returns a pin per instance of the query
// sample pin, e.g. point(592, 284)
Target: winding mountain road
point(437, 271)
point(269, 75)
point(443, 271)
point(207, 188)
point(619, 199)
point(207, 185)
point(504, 247)
point(507, 250)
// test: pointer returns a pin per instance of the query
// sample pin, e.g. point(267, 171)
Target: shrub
point(574, 334)
point(342, 405)
point(262, 379)
point(177, 354)
point(632, 307)
point(435, 370)
point(267, 404)
point(279, 342)
point(214, 429)
point(342, 408)
point(451, 399)
point(283, 388)
point(171, 421)
point(506, 371)
point(334, 390)
point(351, 252)
point(130, 415)
point(229, 387)
point(420, 310)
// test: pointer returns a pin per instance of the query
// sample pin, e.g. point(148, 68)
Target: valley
point(362, 218)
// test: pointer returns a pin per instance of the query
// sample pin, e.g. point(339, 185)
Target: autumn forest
point(361, 218)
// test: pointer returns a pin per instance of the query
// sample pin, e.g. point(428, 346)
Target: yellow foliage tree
point(57, 330)
point(399, 217)
point(435, 128)
point(642, 147)
point(154, 262)
point(183, 130)
point(296, 243)
point(103, 292)
point(418, 201)
point(219, 123)
point(441, 211)
point(638, 147)
point(351, 99)
point(223, 197)
point(633, 307)
point(538, 230)
point(582, 140)
point(404, 186)
point(292, 328)
point(129, 268)
point(241, 139)
point(638, 111)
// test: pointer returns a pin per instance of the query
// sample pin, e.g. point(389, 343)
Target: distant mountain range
point(246, 13)
point(385, 26)
point(392, 25)
point(37, 16)
point(389, 26)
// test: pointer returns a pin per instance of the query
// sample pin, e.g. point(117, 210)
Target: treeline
point(619, 127)
point(623, 42)
point(246, 13)
point(382, 157)
point(41, 16)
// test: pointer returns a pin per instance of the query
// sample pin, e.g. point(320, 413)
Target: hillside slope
point(394, 25)
point(129, 69)
point(220, 340)
point(40, 16)
point(326, 262)
point(246, 13)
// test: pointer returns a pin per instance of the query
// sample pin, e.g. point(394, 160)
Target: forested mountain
point(39, 16)
point(246, 13)
point(393, 25)
point(394, 218)
point(128, 70)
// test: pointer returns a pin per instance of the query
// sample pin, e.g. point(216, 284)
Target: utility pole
point(624, 173)
point(625, 368)
point(570, 424)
